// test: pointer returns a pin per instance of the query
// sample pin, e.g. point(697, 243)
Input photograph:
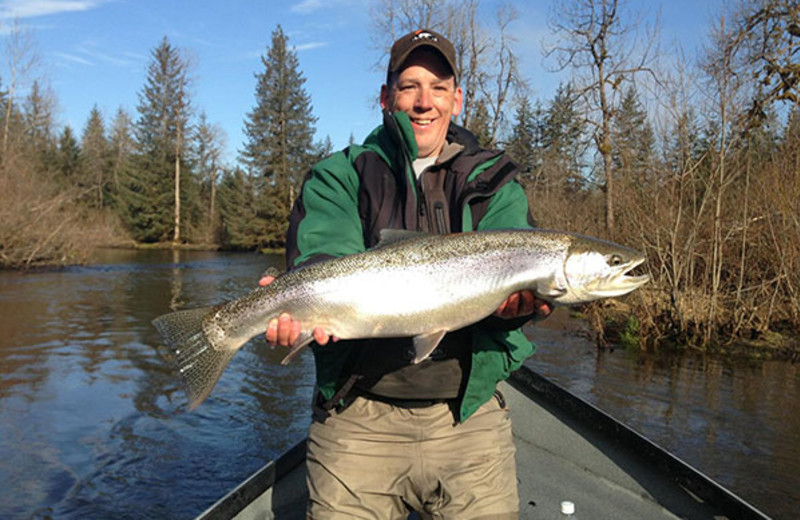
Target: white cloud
point(71, 57)
point(34, 8)
point(309, 46)
point(307, 6)
point(94, 52)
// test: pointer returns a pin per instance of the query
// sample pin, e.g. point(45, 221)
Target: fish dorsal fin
point(393, 236)
point(272, 271)
point(424, 344)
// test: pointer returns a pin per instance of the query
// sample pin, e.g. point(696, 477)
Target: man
point(389, 435)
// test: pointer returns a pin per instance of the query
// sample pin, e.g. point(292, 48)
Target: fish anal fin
point(425, 344)
point(302, 341)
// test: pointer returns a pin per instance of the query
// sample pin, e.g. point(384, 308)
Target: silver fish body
point(411, 285)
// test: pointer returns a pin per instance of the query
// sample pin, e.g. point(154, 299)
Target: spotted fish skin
point(410, 285)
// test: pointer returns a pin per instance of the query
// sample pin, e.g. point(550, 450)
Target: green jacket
point(349, 197)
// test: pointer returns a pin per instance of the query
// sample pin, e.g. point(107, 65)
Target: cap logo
point(424, 36)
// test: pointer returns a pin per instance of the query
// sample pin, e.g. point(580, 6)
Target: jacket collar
point(396, 133)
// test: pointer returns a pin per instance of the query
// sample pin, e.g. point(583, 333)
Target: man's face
point(426, 90)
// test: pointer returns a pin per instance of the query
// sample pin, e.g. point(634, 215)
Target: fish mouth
point(629, 278)
point(622, 280)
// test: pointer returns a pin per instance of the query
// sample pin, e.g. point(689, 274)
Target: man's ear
point(385, 104)
point(458, 101)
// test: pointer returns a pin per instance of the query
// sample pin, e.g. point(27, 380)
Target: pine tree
point(94, 147)
point(207, 159)
point(633, 140)
point(562, 140)
point(38, 120)
point(153, 191)
point(480, 124)
point(68, 160)
point(323, 149)
point(242, 227)
point(279, 134)
point(525, 143)
point(121, 148)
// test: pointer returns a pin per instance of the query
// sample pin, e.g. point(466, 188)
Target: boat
point(573, 461)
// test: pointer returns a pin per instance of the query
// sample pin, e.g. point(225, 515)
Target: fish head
point(596, 269)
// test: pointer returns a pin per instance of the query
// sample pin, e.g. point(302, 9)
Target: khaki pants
point(374, 460)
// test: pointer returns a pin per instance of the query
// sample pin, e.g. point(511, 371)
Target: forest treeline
point(696, 162)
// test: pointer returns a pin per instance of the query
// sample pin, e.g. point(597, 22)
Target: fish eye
point(615, 260)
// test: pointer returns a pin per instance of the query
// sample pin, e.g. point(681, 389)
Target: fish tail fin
point(200, 365)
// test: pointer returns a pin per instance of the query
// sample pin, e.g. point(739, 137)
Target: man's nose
point(424, 99)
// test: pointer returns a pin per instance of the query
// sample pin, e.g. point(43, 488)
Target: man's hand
point(284, 330)
point(523, 303)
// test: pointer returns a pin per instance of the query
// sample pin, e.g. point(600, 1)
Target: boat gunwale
point(256, 485)
point(535, 387)
point(530, 383)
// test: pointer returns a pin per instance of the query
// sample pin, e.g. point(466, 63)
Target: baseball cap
point(407, 44)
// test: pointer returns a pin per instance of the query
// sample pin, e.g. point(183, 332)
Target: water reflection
point(736, 420)
point(92, 420)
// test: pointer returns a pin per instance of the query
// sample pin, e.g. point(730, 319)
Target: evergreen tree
point(324, 148)
point(791, 136)
point(152, 191)
point(121, 148)
point(242, 226)
point(682, 146)
point(525, 142)
point(279, 134)
point(480, 124)
point(39, 125)
point(562, 141)
point(207, 152)
point(68, 160)
point(95, 164)
point(633, 140)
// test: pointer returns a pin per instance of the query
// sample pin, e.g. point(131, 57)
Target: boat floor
point(561, 456)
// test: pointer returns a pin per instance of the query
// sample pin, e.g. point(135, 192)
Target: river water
point(93, 422)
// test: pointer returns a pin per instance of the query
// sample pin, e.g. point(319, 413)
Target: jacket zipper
point(441, 225)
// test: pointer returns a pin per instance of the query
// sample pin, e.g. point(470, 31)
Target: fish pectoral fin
point(424, 344)
point(550, 287)
point(302, 341)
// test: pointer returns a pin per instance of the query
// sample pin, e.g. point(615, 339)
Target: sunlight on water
point(92, 419)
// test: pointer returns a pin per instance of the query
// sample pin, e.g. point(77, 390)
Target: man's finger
point(512, 308)
point(542, 307)
point(284, 330)
point(527, 305)
point(272, 332)
point(320, 336)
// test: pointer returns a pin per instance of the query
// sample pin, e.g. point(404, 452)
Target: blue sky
point(97, 51)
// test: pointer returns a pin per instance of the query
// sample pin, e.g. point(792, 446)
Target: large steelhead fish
point(410, 285)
